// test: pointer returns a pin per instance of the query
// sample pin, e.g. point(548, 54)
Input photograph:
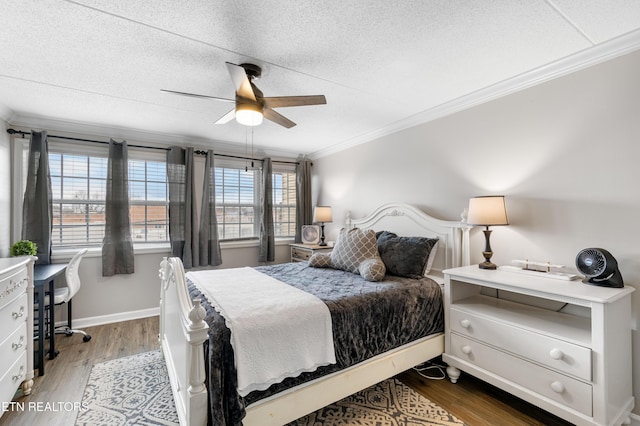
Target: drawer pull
point(18, 314)
point(18, 345)
point(20, 374)
point(466, 349)
point(556, 353)
point(465, 323)
point(557, 387)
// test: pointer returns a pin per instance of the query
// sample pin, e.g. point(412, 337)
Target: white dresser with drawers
point(16, 326)
point(564, 346)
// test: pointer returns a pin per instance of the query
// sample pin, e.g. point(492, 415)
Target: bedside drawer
point(13, 377)
point(554, 353)
point(12, 286)
point(13, 346)
point(13, 316)
point(558, 387)
point(300, 253)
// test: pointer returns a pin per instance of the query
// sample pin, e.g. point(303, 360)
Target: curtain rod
point(198, 152)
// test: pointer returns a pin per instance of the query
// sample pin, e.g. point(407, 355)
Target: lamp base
point(487, 265)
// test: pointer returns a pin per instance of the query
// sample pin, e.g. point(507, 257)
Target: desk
point(43, 276)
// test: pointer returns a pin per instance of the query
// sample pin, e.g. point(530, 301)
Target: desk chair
point(63, 295)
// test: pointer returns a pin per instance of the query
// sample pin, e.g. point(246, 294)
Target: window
point(78, 184)
point(284, 203)
point(238, 197)
point(148, 201)
point(78, 179)
point(236, 202)
point(78, 197)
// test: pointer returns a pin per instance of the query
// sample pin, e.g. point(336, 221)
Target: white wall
point(565, 153)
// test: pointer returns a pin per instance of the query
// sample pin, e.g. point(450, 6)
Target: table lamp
point(487, 211)
point(322, 215)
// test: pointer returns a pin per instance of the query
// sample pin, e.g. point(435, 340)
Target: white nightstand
point(564, 346)
point(302, 252)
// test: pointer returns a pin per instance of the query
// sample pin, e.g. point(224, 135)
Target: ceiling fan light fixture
point(249, 114)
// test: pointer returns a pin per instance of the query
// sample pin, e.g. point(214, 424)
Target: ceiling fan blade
point(240, 81)
point(195, 95)
point(270, 114)
point(227, 117)
point(291, 101)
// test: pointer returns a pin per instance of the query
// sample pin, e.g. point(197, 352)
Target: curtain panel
point(36, 208)
point(304, 209)
point(267, 245)
point(183, 236)
point(208, 235)
point(117, 246)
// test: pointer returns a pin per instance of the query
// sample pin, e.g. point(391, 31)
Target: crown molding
point(586, 58)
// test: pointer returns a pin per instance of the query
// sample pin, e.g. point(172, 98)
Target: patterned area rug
point(388, 403)
point(133, 390)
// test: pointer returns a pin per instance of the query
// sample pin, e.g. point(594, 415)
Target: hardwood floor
point(470, 400)
point(67, 374)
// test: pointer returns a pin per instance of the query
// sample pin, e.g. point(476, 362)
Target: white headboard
point(409, 221)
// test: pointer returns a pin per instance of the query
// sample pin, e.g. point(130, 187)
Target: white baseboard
point(111, 318)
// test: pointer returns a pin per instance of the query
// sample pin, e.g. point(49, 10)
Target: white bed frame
point(183, 331)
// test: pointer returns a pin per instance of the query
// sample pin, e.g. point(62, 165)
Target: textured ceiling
point(382, 65)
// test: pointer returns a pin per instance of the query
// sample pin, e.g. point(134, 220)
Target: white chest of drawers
point(16, 326)
point(564, 346)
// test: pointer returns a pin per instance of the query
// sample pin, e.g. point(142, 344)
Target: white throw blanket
point(277, 331)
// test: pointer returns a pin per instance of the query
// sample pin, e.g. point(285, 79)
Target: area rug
point(133, 390)
point(388, 403)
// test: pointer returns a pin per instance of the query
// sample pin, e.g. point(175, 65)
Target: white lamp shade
point(249, 114)
point(322, 214)
point(487, 211)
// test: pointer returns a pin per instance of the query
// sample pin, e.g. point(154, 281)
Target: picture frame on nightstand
point(310, 234)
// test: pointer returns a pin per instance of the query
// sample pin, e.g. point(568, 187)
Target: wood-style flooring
point(470, 400)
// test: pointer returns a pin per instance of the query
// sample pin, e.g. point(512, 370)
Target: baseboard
point(111, 318)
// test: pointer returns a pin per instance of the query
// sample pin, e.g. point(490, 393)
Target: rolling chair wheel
point(86, 338)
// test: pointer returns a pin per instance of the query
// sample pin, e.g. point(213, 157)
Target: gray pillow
point(352, 247)
point(372, 269)
point(405, 256)
point(320, 260)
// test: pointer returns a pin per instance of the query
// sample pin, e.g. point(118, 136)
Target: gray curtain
point(117, 246)
point(209, 243)
point(36, 208)
point(304, 209)
point(267, 247)
point(182, 212)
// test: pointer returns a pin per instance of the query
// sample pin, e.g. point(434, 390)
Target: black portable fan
point(599, 267)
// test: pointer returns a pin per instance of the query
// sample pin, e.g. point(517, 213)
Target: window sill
point(64, 255)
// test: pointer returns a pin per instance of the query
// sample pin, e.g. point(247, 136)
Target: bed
point(184, 331)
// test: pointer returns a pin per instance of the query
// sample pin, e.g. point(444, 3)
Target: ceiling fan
point(251, 105)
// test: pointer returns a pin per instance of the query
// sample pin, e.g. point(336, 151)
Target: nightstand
point(302, 252)
point(564, 346)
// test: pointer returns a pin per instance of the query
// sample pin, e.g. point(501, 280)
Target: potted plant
point(23, 248)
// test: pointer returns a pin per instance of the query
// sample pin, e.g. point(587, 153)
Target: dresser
point(564, 346)
point(16, 326)
point(302, 252)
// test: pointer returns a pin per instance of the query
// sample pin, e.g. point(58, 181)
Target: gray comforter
point(368, 318)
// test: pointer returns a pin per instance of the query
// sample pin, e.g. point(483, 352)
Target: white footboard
point(182, 333)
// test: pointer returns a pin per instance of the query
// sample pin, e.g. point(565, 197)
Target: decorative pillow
point(405, 256)
point(352, 247)
point(320, 260)
point(372, 269)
